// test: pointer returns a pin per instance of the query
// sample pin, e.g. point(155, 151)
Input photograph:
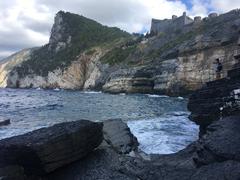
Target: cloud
point(199, 8)
point(27, 23)
point(224, 5)
point(130, 15)
point(4, 54)
point(22, 25)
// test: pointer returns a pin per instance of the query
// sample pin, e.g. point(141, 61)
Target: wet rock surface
point(214, 156)
point(101, 164)
point(118, 135)
point(221, 142)
point(44, 150)
point(111, 160)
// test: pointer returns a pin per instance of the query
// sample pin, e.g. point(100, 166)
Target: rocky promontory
point(83, 54)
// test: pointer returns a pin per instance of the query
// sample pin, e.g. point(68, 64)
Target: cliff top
point(168, 25)
point(174, 40)
point(71, 34)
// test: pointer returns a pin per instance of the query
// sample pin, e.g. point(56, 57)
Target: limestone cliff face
point(129, 80)
point(177, 76)
point(193, 70)
point(82, 54)
point(80, 74)
point(71, 59)
point(60, 37)
point(7, 65)
point(178, 63)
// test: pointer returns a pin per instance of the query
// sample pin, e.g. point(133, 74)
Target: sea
point(159, 122)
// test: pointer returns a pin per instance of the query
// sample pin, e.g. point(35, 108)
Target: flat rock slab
point(221, 142)
point(118, 135)
point(44, 150)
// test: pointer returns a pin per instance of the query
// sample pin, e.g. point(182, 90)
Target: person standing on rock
point(218, 68)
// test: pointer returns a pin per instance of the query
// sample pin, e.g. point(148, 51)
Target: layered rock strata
point(43, 151)
point(217, 99)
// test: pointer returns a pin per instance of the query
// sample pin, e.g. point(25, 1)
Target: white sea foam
point(56, 89)
point(157, 96)
point(178, 113)
point(180, 97)
point(92, 92)
point(163, 135)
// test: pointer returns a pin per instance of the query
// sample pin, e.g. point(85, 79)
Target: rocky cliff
point(218, 99)
point(7, 65)
point(71, 59)
point(83, 54)
point(180, 61)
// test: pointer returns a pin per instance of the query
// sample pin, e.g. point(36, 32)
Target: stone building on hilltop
point(167, 25)
point(179, 23)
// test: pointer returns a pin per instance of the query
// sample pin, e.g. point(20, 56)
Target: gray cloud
point(21, 21)
point(109, 12)
point(35, 25)
point(27, 23)
point(7, 40)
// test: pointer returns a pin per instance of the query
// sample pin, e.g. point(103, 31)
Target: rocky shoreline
point(214, 156)
point(208, 158)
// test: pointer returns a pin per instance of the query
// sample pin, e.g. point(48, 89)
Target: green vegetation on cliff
point(117, 55)
point(82, 34)
point(73, 34)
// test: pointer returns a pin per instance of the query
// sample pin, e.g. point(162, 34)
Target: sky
point(27, 23)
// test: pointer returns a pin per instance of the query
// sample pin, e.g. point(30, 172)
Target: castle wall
point(169, 25)
point(160, 25)
point(187, 20)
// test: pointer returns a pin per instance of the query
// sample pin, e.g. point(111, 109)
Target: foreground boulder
point(214, 156)
point(118, 135)
point(103, 164)
point(44, 150)
point(111, 160)
point(220, 143)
